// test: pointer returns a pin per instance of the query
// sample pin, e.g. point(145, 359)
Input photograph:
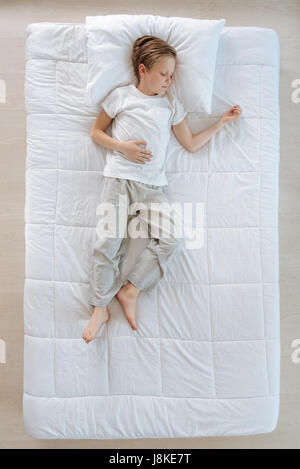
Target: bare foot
point(127, 296)
point(100, 316)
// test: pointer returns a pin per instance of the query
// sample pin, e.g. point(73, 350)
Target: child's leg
point(152, 264)
point(105, 279)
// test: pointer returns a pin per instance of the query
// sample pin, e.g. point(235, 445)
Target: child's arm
point(98, 134)
point(192, 142)
point(130, 149)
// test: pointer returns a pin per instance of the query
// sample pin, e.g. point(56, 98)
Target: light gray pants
point(125, 197)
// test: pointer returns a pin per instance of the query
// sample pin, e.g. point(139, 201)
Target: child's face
point(159, 78)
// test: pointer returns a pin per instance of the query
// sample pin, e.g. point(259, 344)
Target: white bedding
point(206, 358)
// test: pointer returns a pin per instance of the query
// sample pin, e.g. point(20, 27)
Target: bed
point(205, 360)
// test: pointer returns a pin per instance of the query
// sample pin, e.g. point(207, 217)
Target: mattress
point(205, 360)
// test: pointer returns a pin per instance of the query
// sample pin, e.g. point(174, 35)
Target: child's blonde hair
point(147, 50)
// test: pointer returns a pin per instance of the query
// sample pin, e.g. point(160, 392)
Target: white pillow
point(109, 45)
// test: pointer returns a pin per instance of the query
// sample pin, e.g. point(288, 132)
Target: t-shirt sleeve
point(112, 103)
point(178, 112)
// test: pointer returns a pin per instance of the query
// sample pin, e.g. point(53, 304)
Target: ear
point(142, 68)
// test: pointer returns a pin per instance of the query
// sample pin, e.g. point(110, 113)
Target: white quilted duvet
point(205, 360)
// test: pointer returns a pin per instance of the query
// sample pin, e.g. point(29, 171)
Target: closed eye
point(164, 74)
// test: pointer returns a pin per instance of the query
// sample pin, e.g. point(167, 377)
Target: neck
point(144, 90)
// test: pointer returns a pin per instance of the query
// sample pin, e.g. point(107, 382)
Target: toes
point(90, 337)
point(85, 339)
point(132, 323)
point(86, 335)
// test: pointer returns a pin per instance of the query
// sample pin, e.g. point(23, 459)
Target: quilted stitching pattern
point(206, 358)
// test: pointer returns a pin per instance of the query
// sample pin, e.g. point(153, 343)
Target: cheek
point(156, 78)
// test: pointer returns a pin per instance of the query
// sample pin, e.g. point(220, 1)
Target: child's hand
point(232, 115)
point(133, 152)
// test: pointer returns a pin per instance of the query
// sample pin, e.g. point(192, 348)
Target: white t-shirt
point(141, 117)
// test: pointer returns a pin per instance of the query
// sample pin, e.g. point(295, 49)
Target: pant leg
point(123, 251)
point(165, 245)
point(109, 250)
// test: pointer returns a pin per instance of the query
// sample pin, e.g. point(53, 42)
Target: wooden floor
point(284, 17)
